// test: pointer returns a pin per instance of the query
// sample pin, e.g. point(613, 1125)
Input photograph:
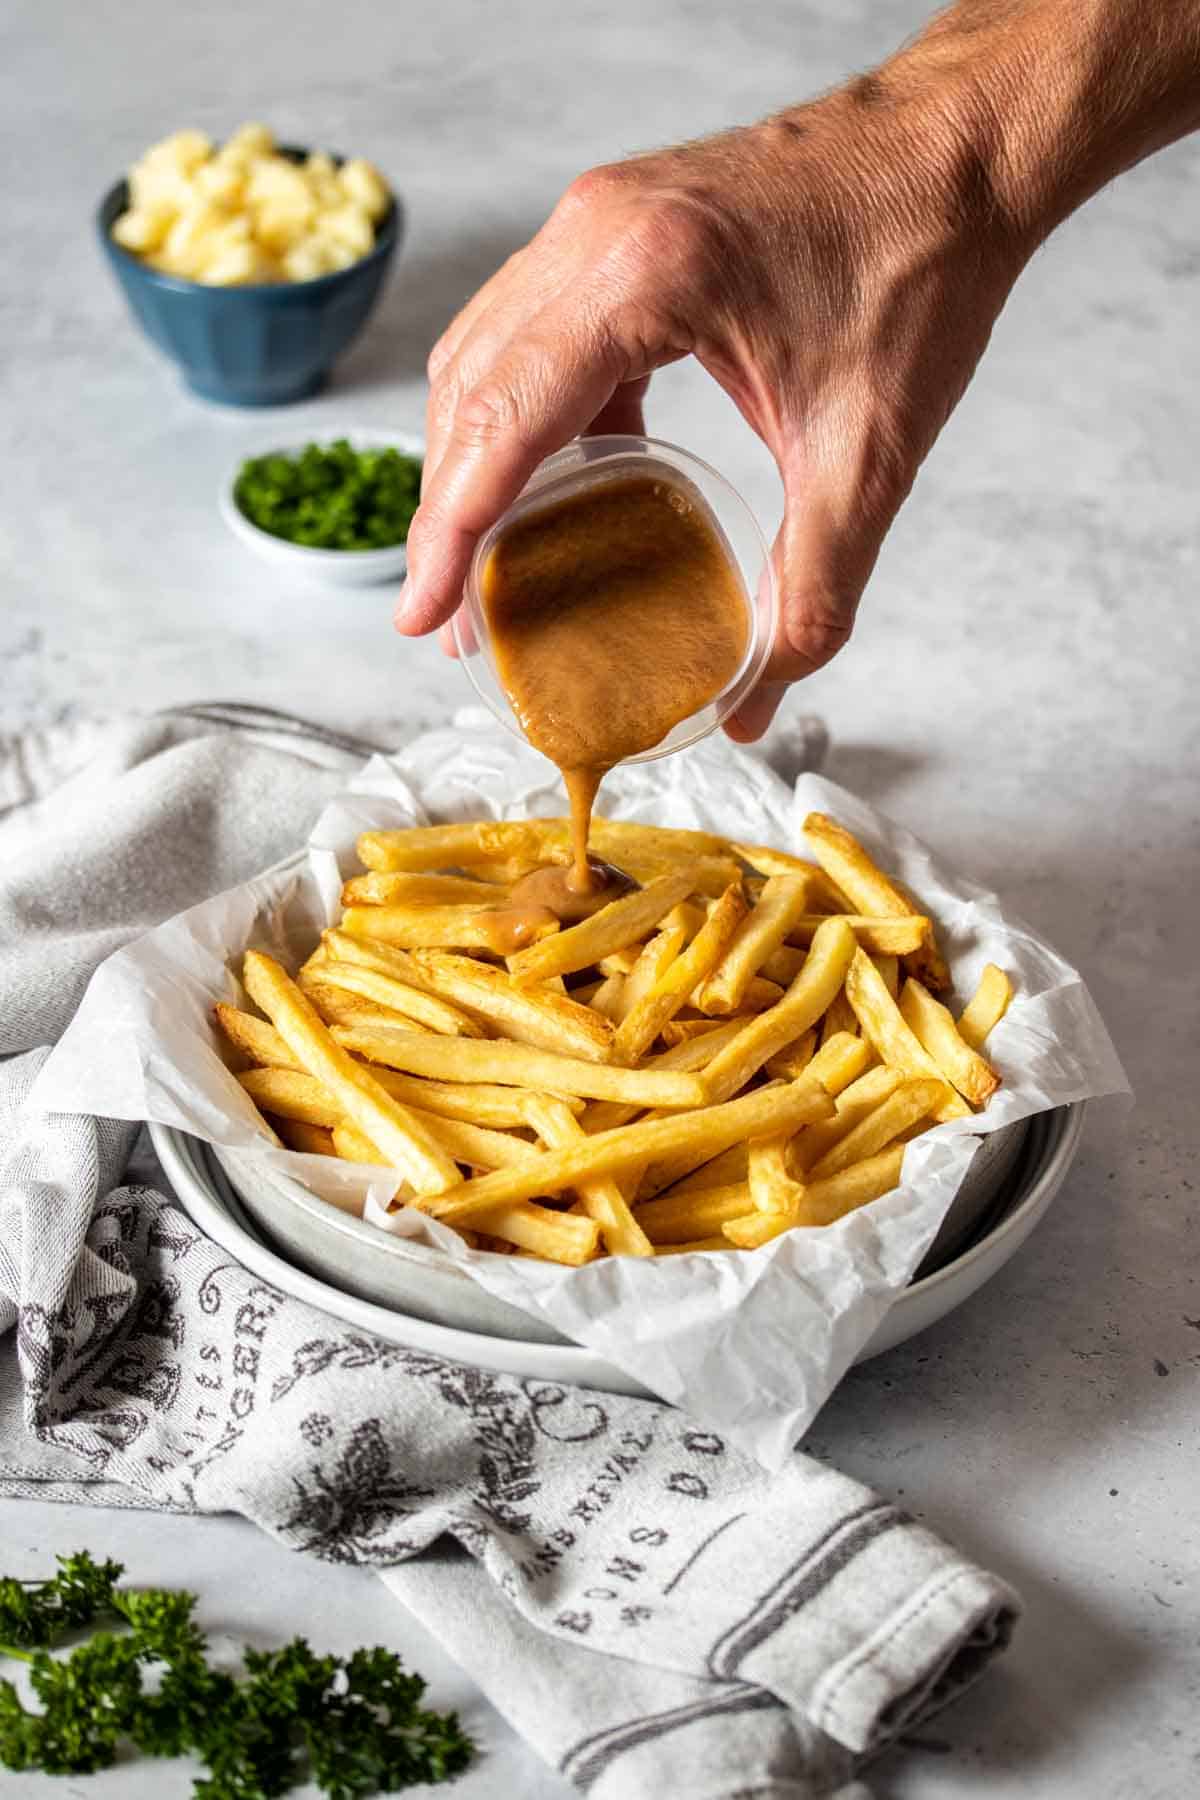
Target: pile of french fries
point(742, 1044)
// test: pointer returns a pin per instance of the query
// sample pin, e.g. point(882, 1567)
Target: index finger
point(547, 386)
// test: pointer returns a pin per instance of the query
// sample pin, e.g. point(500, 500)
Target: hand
point(838, 271)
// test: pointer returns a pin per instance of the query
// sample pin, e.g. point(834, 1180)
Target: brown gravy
point(556, 888)
point(511, 927)
point(613, 614)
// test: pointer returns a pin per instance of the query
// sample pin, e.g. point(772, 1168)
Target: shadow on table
point(420, 301)
point(1071, 1662)
point(873, 770)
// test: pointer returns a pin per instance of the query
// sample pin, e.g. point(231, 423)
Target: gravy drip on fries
point(614, 614)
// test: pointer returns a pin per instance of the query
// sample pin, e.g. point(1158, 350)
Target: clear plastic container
point(587, 463)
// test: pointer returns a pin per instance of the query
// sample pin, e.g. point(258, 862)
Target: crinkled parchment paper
point(751, 1342)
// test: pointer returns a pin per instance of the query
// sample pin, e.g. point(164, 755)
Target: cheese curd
point(242, 212)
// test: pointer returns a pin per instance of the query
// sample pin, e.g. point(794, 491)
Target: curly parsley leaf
point(33, 1615)
point(354, 1725)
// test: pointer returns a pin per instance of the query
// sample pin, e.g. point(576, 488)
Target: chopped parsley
point(331, 496)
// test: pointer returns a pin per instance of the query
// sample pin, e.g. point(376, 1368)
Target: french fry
point(602, 1199)
point(892, 1036)
point(783, 965)
point(691, 914)
point(310, 1140)
point(253, 1037)
point(855, 1101)
point(503, 873)
point(728, 1169)
point(425, 847)
point(397, 996)
point(607, 998)
point(881, 936)
point(527, 1015)
point(712, 1128)
point(681, 1031)
point(404, 1141)
point(560, 1237)
point(353, 1145)
point(772, 1182)
point(292, 1094)
point(319, 955)
point(474, 1145)
point(933, 1024)
point(840, 1020)
point(847, 864)
point(439, 927)
point(520, 1065)
point(830, 1199)
point(680, 1218)
point(766, 860)
point(380, 889)
point(823, 1201)
point(693, 1054)
point(772, 1187)
point(643, 1022)
point(802, 1005)
point(336, 1006)
point(760, 995)
point(709, 875)
point(889, 970)
point(834, 1067)
point(656, 957)
point(612, 928)
point(763, 930)
point(708, 1243)
point(839, 1061)
point(621, 842)
point(986, 1007)
point(621, 962)
point(372, 953)
point(793, 1059)
point(912, 1101)
point(475, 1102)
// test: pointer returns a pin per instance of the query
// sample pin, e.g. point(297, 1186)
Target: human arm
point(838, 270)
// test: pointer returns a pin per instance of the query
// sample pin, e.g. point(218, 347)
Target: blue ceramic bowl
point(252, 346)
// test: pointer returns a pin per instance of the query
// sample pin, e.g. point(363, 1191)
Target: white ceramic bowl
point(329, 568)
point(211, 1200)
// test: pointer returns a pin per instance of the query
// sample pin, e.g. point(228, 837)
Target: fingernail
point(756, 712)
point(405, 604)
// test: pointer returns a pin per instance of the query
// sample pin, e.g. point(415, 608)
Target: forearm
point(1055, 97)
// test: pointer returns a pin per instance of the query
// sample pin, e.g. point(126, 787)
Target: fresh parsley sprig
point(355, 1725)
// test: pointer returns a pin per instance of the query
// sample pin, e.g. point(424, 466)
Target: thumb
point(823, 555)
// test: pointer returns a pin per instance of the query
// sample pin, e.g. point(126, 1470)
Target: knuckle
point(443, 401)
point(594, 188)
point(683, 222)
point(439, 360)
point(488, 411)
point(817, 623)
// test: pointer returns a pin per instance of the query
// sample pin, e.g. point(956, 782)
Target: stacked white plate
point(367, 1278)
